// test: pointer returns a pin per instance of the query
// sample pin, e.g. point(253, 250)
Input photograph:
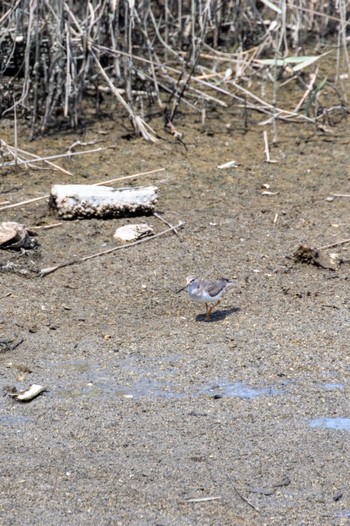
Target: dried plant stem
point(309, 88)
point(24, 202)
point(129, 176)
point(267, 150)
point(39, 159)
point(46, 227)
point(10, 148)
point(140, 125)
point(45, 271)
point(334, 244)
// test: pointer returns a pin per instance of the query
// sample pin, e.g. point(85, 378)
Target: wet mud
point(154, 415)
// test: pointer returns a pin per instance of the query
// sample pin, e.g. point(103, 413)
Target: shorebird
point(206, 291)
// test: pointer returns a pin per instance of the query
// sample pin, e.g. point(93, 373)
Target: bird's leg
point(210, 310)
point(207, 314)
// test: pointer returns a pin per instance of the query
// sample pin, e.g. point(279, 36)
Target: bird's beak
point(180, 290)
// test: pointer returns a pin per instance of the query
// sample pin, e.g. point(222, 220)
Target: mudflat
point(153, 415)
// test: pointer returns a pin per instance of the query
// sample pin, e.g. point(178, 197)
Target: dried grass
point(59, 57)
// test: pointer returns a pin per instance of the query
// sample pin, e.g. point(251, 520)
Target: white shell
point(33, 391)
point(133, 232)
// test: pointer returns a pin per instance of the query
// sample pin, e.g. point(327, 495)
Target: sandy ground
point(152, 415)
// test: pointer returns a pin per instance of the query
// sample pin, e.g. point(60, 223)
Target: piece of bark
point(79, 201)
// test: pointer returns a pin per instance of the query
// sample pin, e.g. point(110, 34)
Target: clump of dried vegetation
point(59, 59)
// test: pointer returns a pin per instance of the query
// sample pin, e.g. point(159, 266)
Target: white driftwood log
point(80, 201)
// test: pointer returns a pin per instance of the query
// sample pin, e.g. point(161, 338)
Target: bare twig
point(45, 271)
point(245, 499)
point(267, 151)
point(39, 159)
point(24, 202)
point(140, 125)
point(46, 227)
point(334, 244)
point(130, 176)
point(201, 499)
point(241, 496)
point(166, 222)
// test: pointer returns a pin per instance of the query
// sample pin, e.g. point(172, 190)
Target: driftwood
point(77, 201)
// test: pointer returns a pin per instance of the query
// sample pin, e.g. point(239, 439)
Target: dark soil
point(148, 405)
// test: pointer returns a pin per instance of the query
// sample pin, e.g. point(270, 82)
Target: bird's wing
point(214, 289)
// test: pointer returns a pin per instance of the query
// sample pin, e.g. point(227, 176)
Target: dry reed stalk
point(139, 124)
point(11, 150)
point(66, 45)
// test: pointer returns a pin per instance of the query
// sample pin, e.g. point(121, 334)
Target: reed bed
point(59, 59)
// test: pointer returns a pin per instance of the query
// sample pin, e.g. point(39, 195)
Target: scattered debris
point(29, 394)
point(230, 164)
point(14, 268)
point(284, 482)
point(133, 232)
point(14, 236)
point(77, 201)
point(337, 495)
point(318, 257)
point(45, 271)
point(267, 192)
point(262, 491)
point(201, 499)
point(9, 345)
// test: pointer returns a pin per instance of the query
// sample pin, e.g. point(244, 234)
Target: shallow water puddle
point(145, 377)
point(331, 423)
point(240, 390)
point(13, 420)
point(343, 514)
point(332, 386)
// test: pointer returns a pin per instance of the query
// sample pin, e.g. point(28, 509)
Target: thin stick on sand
point(46, 227)
point(58, 156)
point(45, 271)
point(334, 244)
point(267, 150)
point(165, 221)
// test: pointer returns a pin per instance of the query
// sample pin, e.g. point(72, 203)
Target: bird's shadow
point(217, 315)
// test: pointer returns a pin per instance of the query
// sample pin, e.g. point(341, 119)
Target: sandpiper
point(206, 291)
